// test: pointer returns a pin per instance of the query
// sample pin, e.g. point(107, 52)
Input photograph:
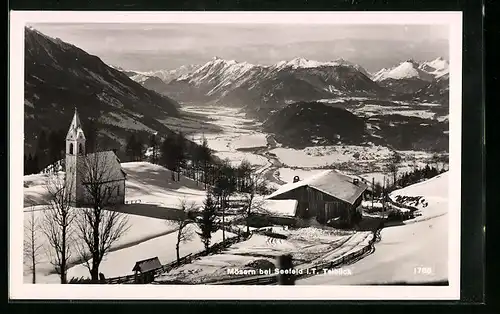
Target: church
point(99, 169)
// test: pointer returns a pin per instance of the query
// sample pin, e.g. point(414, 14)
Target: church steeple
point(75, 129)
point(75, 140)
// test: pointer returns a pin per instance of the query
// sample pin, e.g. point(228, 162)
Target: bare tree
point(32, 246)
point(58, 223)
point(186, 218)
point(99, 227)
point(393, 166)
point(255, 185)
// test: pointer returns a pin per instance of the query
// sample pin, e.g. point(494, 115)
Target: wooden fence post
point(285, 263)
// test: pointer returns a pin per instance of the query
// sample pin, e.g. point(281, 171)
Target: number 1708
point(422, 270)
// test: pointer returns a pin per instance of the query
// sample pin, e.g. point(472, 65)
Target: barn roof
point(147, 265)
point(110, 162)
point(330, 182)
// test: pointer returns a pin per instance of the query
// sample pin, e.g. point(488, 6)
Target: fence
point(344, 260)
point(148, 277)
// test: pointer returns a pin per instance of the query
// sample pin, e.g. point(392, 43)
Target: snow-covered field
point(260, 251)
point(157, 194)
point(416, 251)
point(321, 156)
point(146, 183)
point(140, 229)
point(372, 110)
point(398, 256)
point(121, 262)
point(237, 157)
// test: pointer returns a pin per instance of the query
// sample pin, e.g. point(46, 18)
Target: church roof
point(108, 161)
point(75, 129)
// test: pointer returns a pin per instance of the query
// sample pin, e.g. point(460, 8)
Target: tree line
point(211, 217)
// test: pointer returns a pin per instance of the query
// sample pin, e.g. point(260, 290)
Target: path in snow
point(397, 256)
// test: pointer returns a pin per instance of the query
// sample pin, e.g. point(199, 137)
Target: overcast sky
point(168, 46)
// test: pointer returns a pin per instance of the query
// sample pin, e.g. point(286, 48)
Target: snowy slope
point(406, 247)
point(432, 196)
point(146, 182)
point(156, 195)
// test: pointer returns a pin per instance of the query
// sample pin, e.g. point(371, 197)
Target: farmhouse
point(326, 196)
point(101, 169)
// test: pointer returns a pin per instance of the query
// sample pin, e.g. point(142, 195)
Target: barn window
point(71, 149)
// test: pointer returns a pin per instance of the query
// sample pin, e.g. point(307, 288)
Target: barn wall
point(299, 194)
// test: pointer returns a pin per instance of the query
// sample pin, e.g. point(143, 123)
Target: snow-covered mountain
point(217, 75)
point(60, 77)
point(437, 67)
point(156, 80)
point(240, 83)
point(408, 69)
point(169, 75)
point(405, 78)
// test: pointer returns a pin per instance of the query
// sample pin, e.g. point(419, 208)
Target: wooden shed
point(144, 269)
point(328, 195)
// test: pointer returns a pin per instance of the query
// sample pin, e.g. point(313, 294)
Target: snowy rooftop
point(330, 182)
point(107, 163)
point(285, 208)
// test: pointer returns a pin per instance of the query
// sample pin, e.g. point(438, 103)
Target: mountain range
point(60, 77)
point(243, 84)
point(233, 83)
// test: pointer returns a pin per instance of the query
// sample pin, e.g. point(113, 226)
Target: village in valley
point(210, 195)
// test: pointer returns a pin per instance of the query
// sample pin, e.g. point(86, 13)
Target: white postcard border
point(19, 290)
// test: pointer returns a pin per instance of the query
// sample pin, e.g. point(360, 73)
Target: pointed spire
point(75, 125)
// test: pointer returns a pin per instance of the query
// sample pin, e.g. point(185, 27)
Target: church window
point(80, 149)
point(71, 149)
point(117, 190)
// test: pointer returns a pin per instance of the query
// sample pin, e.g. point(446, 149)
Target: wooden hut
point(143, 270)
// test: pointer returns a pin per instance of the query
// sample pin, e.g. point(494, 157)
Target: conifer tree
point(207, 222)
point(131, 147)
